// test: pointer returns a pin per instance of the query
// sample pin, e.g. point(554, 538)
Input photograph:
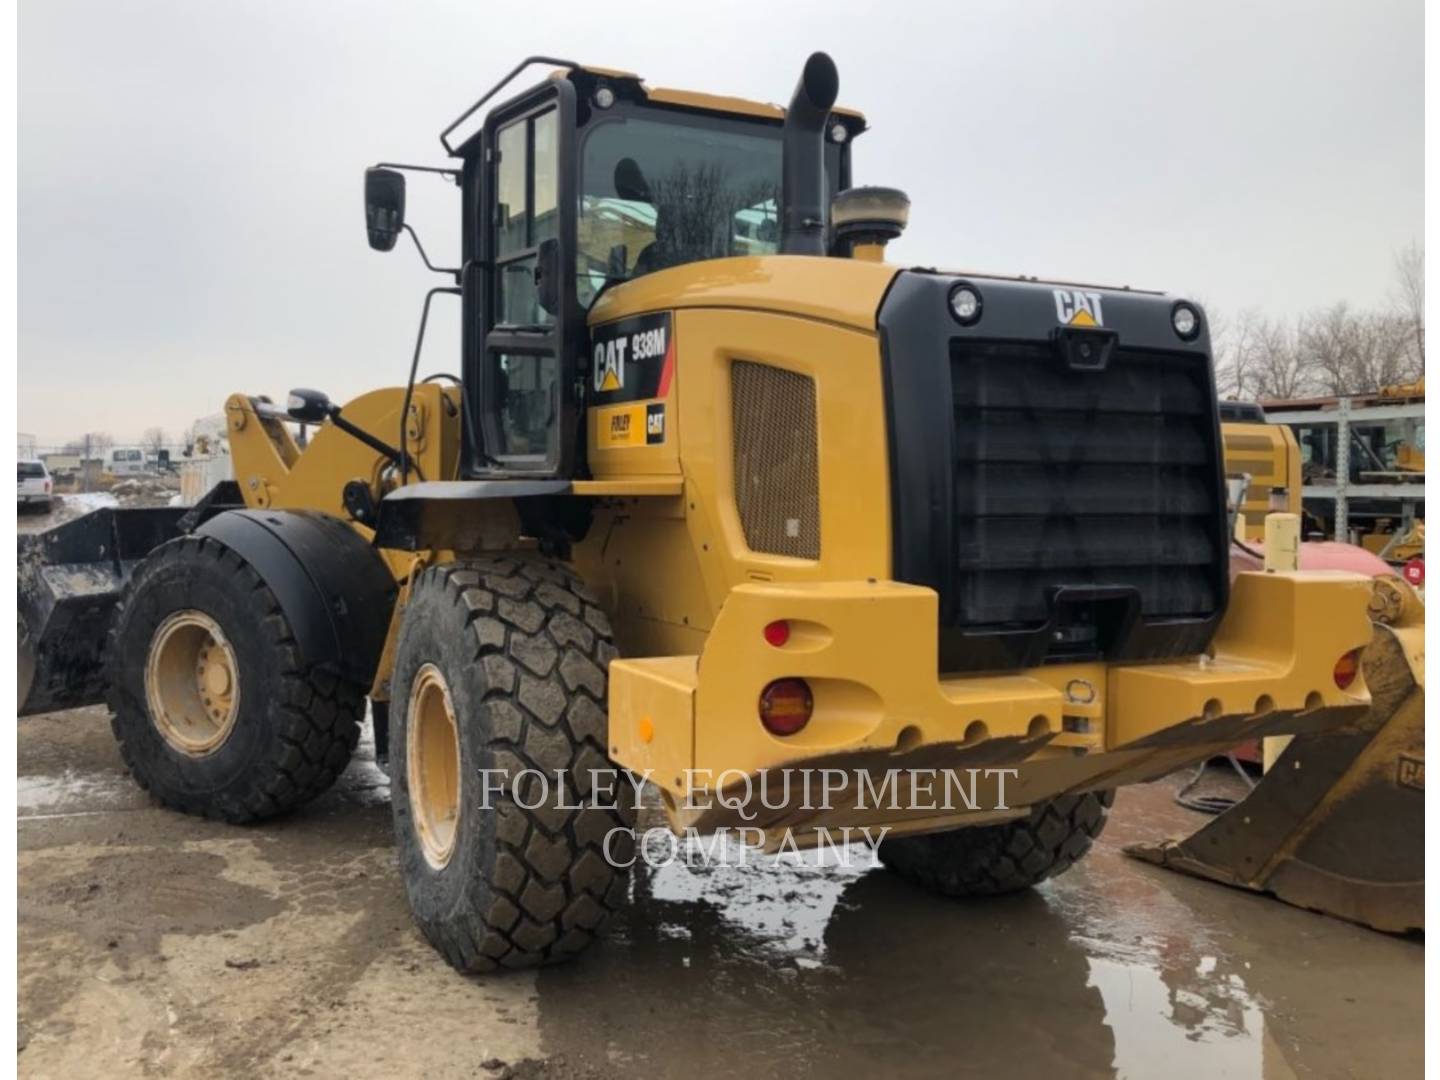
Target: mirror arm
point(452, 271)
point(453, 174)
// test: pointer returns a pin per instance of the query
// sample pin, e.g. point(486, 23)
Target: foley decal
point(633, 359)
point(1077, 307)
point(620, 426)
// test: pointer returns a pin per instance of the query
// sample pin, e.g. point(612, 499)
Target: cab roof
point(629, 85)
point(694, 99)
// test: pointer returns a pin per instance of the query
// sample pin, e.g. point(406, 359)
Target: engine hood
point(843, 291)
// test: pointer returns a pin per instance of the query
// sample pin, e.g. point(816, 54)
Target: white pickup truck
point(34, 484)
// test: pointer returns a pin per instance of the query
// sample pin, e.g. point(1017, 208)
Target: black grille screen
point(1081, 479)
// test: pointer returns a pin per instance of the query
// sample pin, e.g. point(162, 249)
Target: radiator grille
point(1070, 478)
point(777, 477)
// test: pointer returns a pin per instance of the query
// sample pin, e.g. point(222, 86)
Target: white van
point(122, 461)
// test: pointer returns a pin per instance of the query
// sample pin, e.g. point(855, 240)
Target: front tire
point(500, 670)
point(990, 860)
point(217, 711)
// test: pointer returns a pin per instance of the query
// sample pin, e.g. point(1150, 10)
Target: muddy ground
point(159, 945)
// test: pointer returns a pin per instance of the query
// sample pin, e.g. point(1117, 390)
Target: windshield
point(658, 192)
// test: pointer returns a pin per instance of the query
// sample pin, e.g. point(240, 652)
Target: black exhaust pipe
point(803, 178)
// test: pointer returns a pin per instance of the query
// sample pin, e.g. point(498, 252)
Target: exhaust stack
point(803, 177)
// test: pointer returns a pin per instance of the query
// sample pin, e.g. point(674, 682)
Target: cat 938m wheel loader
point(716, 493)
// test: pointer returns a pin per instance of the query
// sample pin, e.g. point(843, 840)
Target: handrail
point(445, 142)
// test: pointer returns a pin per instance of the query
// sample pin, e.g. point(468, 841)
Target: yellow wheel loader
point(717, 498)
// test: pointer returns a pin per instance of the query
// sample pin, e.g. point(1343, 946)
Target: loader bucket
point(1337, 824)
point(70, 578)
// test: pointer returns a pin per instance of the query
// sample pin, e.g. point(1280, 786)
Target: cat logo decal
point(1078, 308)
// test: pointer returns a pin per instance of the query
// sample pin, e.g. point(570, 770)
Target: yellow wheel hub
point(432, 765)
point(192, 683)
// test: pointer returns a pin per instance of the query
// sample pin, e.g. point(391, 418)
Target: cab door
point(528, 329)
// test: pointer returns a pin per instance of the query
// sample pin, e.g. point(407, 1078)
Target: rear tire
point(289, 726)
point(502, 665)
point(989, 860)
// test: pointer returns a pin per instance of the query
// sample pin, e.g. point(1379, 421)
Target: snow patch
point(86, 501)
point(73, 791)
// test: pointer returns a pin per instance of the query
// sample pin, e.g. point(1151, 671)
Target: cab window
point(525, 386)
point(656, 193)
point(527, 194)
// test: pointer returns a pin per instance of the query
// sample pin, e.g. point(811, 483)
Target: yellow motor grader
point(715, 494)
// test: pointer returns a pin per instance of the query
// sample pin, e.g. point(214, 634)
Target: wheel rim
point(192, 683)
point(432, 765)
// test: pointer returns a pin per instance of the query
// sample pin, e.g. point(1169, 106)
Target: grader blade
point(1337, 824)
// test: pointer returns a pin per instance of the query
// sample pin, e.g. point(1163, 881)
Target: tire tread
point(551, 889)
point(991, 860)
point(321, 713)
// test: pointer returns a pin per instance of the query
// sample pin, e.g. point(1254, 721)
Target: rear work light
point(1346, 668)
point(785, 706)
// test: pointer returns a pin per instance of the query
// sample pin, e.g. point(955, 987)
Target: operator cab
point(584, 182)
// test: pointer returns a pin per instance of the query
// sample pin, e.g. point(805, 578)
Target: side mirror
point(547, 276)
point(309, 406)
point(384, 207)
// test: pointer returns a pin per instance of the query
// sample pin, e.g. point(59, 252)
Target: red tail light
point(785, 706)
point(1346, 668)
point(1414, 572)
point(777, 633)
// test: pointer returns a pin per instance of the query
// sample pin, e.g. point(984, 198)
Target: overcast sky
point(190, 173)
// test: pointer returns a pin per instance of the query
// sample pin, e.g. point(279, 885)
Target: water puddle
point(1158, 1018)
point(1114, 969)
point(1022, 983)
point(778, 906)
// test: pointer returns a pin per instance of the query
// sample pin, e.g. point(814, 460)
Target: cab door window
point(526, 213)
point(525, 385)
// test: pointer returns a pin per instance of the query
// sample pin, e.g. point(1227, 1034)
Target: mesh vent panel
point(777, 476)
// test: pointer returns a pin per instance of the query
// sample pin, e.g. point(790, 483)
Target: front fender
point(335, 589)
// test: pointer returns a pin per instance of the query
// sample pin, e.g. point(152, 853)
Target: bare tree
point(92, 444)
point(1257, 357)
point(1234, 345)
point(1335, 350)
point(153, 439)
point(1219, 327)
point(1385, 352)
point(1359, 352)
point(1408, 300)
point(1280, 368)
point(1328, 337)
